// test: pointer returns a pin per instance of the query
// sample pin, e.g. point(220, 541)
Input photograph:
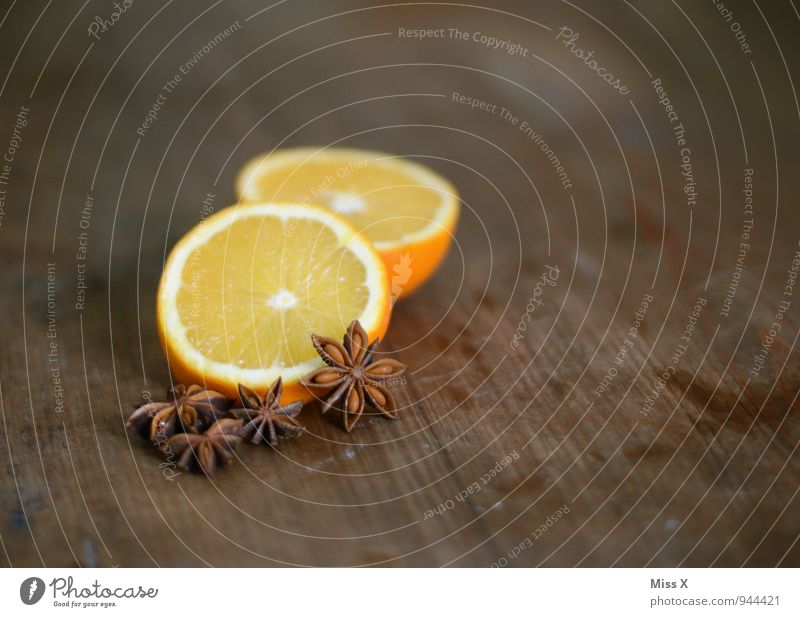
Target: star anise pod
point(265, 418)
point(185, 410)
point(351, 378)
point(208, 451)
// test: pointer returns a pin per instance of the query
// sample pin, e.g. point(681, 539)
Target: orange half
point(408, 211)
point(243, 290)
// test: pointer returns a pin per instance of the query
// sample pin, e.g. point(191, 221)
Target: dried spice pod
point(208, 451)
point(350, 380)
point(265, 419)
point(187, 409)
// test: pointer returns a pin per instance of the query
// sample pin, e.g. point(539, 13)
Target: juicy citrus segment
point(256, 304)
point(243, 291)
point(407, 210)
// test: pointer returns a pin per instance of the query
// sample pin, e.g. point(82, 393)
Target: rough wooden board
point(710, 476)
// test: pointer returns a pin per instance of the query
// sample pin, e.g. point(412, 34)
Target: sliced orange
point(408, 211)
point(242, 292)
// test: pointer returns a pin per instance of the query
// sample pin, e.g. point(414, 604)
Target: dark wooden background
point(709, 476)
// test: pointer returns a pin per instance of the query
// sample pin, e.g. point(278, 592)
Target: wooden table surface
point(640, 408)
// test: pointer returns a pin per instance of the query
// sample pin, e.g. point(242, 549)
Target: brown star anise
point(185, 410)
point(208, 451)
point(351, 378)
point(265, 418)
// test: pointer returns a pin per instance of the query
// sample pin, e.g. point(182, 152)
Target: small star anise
point(208, 451)
point(351, 378)
point(265, 418)
point(185, 410)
